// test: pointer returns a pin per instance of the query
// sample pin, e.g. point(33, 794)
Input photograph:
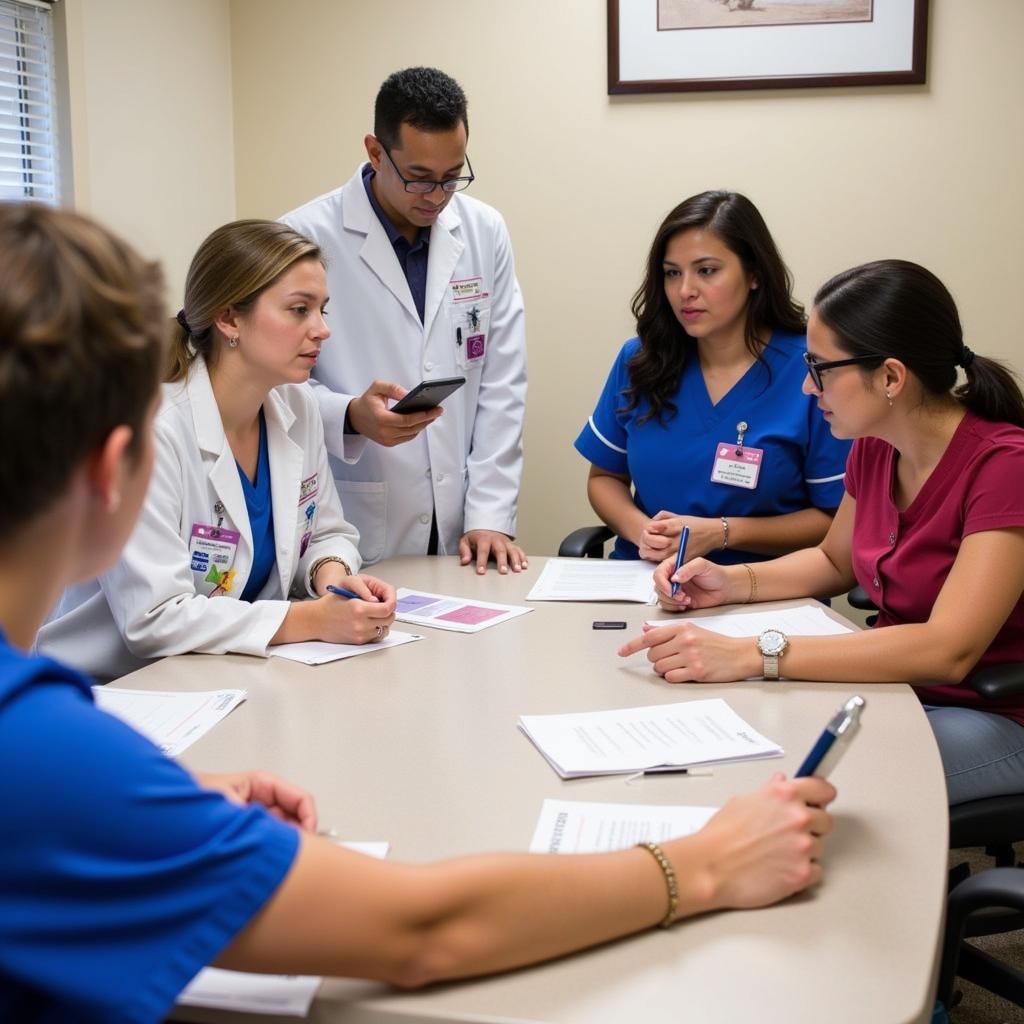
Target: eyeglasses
point(419, 187)
point(816, 368)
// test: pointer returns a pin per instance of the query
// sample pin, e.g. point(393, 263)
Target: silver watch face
point(772, 641)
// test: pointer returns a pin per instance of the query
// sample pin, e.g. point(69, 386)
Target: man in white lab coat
point(422, 286)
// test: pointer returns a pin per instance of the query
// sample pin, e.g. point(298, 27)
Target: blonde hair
point(232, 268)
point(82, 337)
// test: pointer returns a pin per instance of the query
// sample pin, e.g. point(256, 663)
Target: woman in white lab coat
point(242, 512)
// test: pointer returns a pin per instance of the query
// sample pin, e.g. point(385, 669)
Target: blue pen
point(831, 744)
point(681, 556)
point(342, 592)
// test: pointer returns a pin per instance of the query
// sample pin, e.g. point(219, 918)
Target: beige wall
point(930, 173)
point(151, 121)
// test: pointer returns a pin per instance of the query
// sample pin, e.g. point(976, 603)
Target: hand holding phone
point(428, 394)
point(832, 743)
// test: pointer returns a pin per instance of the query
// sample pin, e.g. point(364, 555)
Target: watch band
point(771, 666)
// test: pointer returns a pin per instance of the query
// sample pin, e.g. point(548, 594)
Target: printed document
point(316, 652)
point(575, 826)
point(804, 620)
point(660, 737)
point(594, 579)
point(173, 721)
point(285, 994)
point(419, 608)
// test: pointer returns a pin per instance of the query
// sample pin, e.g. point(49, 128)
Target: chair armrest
point(996, 887)
point(999, 680)
point(586, 542)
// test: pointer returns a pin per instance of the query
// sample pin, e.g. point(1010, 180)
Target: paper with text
point(594, 579)
point(804, 620)
point(576, 826)
point(420, 608)
point(655, 738)
point(316, 652)
point(171, 720)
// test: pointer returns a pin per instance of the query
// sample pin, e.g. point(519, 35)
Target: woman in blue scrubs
point(701, 422)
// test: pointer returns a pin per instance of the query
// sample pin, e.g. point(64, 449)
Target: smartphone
point(428, 394)
point(832, 743)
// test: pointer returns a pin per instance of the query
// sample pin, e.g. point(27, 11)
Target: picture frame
point(658, 46)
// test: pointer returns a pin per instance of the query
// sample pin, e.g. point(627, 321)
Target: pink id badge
point(737, 467)
point(212, 547)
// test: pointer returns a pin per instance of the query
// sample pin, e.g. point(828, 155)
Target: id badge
point(470, 314)
point(211, 552)
point(737, 467)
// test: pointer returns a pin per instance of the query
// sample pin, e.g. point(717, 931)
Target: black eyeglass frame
point(815, 368)
point(451, 185)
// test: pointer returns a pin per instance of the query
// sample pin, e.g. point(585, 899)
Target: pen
point(342, 592)
point(681, 555)
point(835, 738)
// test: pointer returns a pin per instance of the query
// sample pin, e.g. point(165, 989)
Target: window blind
point(28, 130)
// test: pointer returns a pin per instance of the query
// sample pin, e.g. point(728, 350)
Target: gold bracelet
point(753, 584)
point(725, 533)
point(670, 881)
point(320, 562)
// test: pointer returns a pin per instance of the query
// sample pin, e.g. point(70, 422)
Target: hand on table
point(682, 652)
point(370, 416)
point(284, 800)
point(357, 620)
point(482, 545)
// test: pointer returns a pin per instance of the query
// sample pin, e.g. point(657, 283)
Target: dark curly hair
point(657, 368)
point(425, 98)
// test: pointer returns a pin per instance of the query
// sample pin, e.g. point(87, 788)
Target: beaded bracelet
point(670, 881)
point(315, 568)
point(725, 533)
point(753, 584)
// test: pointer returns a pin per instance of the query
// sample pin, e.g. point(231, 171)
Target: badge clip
point(741, 430)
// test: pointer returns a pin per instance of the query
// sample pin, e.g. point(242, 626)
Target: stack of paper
point(594, 579)
point(575, 826)
point(173, 721)
point(661, 737)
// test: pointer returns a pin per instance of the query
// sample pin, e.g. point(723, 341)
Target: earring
point(233, 342)
point(889, 397)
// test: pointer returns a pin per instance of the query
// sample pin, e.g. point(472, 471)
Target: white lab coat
point(468, 464)
point(152, 603)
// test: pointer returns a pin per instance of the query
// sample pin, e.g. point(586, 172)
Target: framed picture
point(709, 45)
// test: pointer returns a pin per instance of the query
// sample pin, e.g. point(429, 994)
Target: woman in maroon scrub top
point(932, 526)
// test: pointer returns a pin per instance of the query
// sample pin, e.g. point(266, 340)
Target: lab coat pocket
point(365, 505)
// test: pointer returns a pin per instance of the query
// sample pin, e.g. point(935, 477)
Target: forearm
point(805, 573)
point(777, 535)
point(413, 925)
point(612, 500)
point(917, 653)
point(301, 623)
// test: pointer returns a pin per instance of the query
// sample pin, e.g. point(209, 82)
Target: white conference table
point(418, 745)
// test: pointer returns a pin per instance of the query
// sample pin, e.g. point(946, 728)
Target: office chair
point(586, 542)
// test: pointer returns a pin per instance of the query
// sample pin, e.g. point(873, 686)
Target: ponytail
point(991, 391)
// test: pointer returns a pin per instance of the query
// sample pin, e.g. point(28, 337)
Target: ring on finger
point(380, 631)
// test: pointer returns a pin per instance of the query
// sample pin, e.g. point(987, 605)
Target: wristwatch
point(772, 644)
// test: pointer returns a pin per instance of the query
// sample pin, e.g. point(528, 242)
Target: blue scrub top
point(670, 463)
point(120, 878)
point(261, 519)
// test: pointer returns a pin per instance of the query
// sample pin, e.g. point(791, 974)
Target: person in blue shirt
point(243, 513)
point(701, 422)
point(121, 874)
